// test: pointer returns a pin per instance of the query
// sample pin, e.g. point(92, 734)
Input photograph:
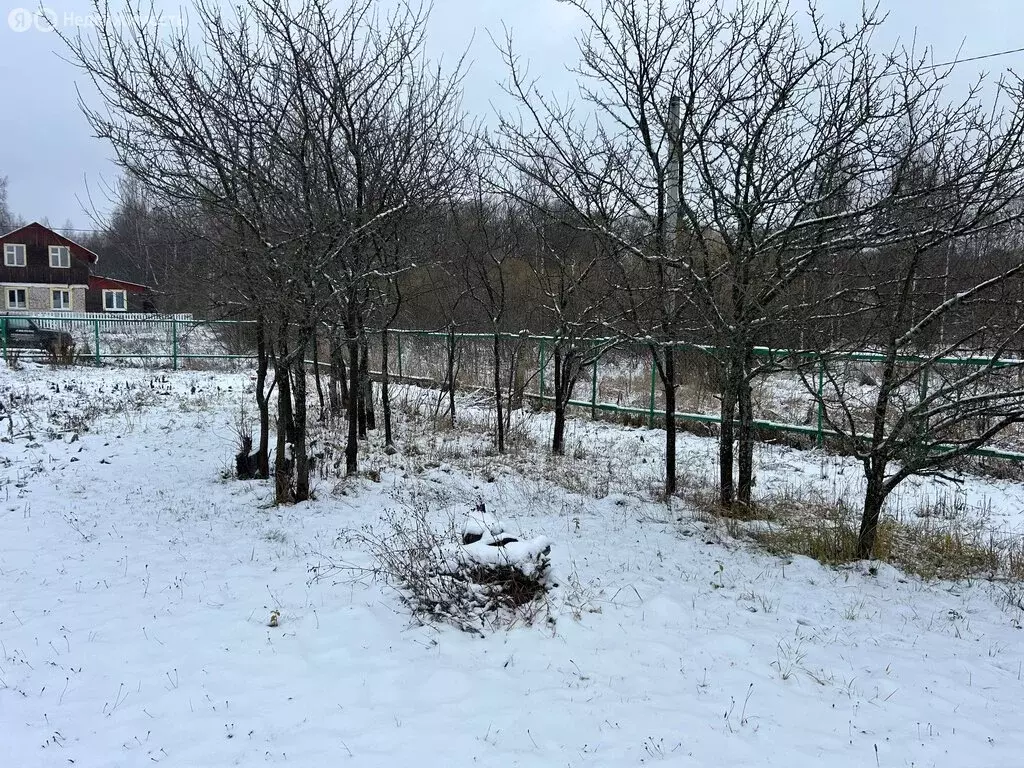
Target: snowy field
point(137, 584)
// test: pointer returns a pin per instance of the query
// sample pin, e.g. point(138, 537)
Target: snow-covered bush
point(479, 578)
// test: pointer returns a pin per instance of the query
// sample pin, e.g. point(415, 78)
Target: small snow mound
point(620, 500)
point(487, 579)
point(508, 552)
point(481, 525)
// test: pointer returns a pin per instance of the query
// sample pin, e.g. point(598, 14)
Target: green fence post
point(654, 371)
point(593, 388)
point(174, 343)
point(4, 321)
point(821, 403)
point(96, 338)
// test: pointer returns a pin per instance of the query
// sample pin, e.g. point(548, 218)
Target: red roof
point(37, 233)
point(97, 282)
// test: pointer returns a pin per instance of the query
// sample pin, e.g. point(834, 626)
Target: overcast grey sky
point(53, 164)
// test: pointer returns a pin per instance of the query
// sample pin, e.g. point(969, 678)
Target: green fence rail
point(428, 364)
point(625, 369)
point(171, 342)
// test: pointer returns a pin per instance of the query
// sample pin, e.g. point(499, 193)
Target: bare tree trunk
point(352, 446)
point(450, 373)
point(365, 391)
point(300, 453)
point(288, 411)
point(669, 384)
point(285, 425)
point(262, 398)
point(566, 372)
point(360, 397)
point(664, 361)
point(282, 463)
point(874, 498)
point(337, 388)
point(875, 465)
point(371, 412)
point(745, 458)
point(385, 389)
point(558, 440)
point(500, 421)
point(516, 383)
point(727, 435)
point(316, 374)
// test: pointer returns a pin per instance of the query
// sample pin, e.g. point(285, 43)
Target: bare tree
point(453, 297)
point(490, 231)
point(298, 130)
point(393, 128)
point(7, 219)
point(204, 124)
point(930, 402)
point(571, 269)
point(726, 152)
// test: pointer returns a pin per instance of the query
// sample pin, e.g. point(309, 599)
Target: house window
point(60, 256)
point(115, 301)
point(17, 298)
point(60, 298)
point(14, 255)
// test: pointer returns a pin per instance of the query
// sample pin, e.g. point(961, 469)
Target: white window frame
point(23, 304)
point(110, 293)
point(60, 257)
point(53, 299)
point(13, 254)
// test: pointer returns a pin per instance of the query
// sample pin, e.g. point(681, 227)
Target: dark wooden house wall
point(37, 241)
point(136, 302)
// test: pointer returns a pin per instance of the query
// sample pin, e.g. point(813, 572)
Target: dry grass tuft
point(941, 540)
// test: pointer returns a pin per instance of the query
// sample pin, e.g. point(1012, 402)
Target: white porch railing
point(108, 321)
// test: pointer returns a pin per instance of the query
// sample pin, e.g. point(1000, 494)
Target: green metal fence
point(621, 382)
point(177, 341)
point(624, 380)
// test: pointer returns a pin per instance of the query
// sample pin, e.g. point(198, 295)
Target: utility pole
point(672, 176)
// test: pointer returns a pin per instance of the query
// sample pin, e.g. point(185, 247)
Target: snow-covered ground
point(137, 585)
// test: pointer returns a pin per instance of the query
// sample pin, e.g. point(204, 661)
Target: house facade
point(43, 271)
point(108, 294)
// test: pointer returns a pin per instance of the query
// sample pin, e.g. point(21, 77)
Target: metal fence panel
point(623, 381)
